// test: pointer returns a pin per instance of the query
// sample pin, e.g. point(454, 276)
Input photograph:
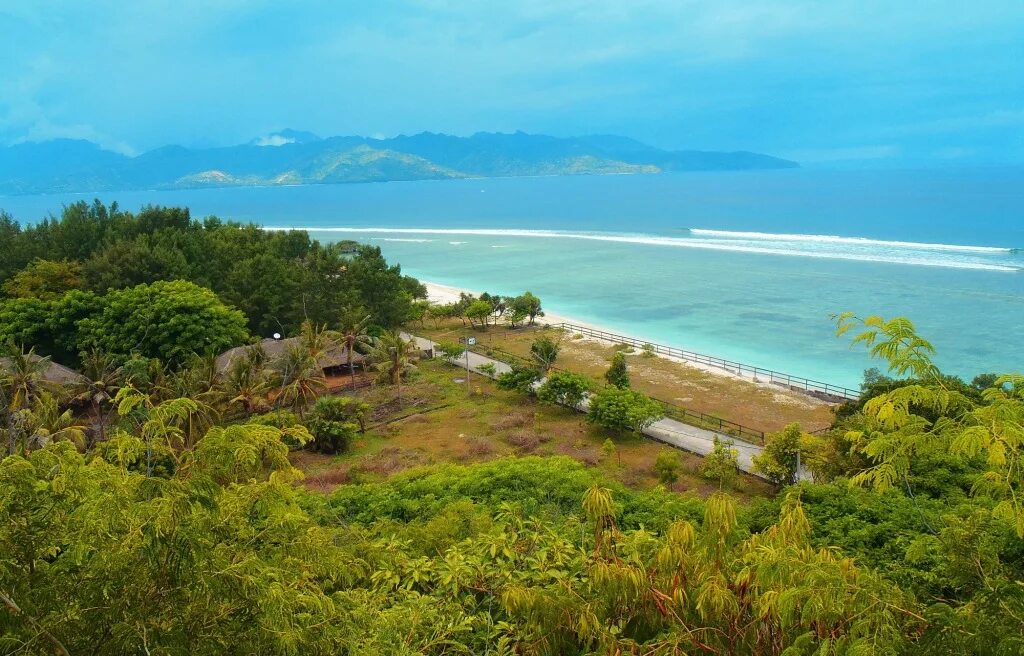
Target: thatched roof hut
point(55, 373)
point(275, 349)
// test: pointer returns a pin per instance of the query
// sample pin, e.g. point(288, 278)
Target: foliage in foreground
point(103, 560)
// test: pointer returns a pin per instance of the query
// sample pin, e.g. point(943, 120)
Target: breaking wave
point(985, 258)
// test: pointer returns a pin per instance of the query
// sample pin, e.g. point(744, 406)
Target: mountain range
point(296, 157)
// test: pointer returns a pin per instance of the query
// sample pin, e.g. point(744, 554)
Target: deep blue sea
point(741, 265)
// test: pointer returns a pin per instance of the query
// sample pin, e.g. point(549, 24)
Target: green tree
point(778, 461)
point(101, 379)
point(44, 279)
point(544, 352)
point(721, 463)
point(667, 466)
point(352, 329)
point(620, 410)
point(528, 305)
point(478, 312)
point(618, 374)
point(564, 388)
point(393, 355)
point(167, 320)
point(519, 379)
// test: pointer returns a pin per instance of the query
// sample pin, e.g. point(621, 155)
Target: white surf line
point(651, 240)
point(856, 241)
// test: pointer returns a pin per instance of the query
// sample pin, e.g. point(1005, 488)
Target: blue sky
point(827, 82)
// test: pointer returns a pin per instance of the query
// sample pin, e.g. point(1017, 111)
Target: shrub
point(564, 388)
point(332, 424)
point(720, 464)
point(621, 410)
point(667, 466)
point(778, 460)
point(520, 379)
point(618, 374)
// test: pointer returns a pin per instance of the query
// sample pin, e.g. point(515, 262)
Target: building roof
point(276, 349)
point(55, 373)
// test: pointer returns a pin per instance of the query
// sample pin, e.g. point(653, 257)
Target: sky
point(826, 82)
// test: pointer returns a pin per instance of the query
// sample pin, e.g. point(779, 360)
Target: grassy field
point(744, 402)
point(439, 420)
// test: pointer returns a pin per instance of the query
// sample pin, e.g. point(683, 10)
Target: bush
point(778, 460)
point(333, 423)
point(520, 379)
point(720, 464)
point(621, 410)
point(564, 388)
point(667, 467)
point(618, 374)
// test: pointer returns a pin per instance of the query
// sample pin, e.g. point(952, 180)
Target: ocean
point(746, 265)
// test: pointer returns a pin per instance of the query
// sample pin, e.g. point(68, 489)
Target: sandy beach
point(438, 293)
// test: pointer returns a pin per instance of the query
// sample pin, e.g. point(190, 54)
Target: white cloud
point(272, 140)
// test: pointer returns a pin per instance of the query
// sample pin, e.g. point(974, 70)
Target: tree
point(564, 388)
point(778, 460)
point(44, 279)
point(392, 355)
point(167, 320)
point(246, 382)
point(101, 378)
point(667, 466)
point(544, 352)
point(519, 379)
point(352, 328)
point(721, 463)
point(619, 410)
point(299, 378)
point(527, 305)
point(451, 351)
point(618, 374)
point(479, 311)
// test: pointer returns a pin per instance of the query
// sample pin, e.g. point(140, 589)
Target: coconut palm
point(22, 382)
point(101, 378)
point(246, 382)
point(45, 422)
point(352, 332)
point(23, 377)
point(392, 355)
point(299, 378)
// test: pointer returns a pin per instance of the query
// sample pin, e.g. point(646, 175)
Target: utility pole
point(469, 391)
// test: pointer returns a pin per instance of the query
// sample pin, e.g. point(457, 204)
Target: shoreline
point(440, 293)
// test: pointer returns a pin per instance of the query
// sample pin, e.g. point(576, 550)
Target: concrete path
point(669, 431)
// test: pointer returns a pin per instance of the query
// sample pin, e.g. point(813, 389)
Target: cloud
point(272, 140)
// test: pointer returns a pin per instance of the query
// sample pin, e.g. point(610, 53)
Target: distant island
point(295, 157)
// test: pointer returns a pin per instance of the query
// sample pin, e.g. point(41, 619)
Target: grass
point(757, 406)
point(456, 425)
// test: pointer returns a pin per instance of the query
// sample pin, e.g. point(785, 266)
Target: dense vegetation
point(277, 279)
point(155, 509)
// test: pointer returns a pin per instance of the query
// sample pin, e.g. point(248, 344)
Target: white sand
point(437, 293)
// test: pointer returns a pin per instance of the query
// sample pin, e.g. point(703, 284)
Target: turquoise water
point(746, 266)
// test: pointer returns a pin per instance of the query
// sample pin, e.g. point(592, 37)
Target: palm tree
point(22, 381)
point(246, 381)
point(352, 330)
point(44, 422)
point(300, 378)
point(98, 386)
point(392, 355)
point(316, 339)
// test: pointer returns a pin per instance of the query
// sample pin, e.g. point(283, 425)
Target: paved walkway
point(670, 431)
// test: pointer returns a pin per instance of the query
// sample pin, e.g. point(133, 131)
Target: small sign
point(471, 341)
